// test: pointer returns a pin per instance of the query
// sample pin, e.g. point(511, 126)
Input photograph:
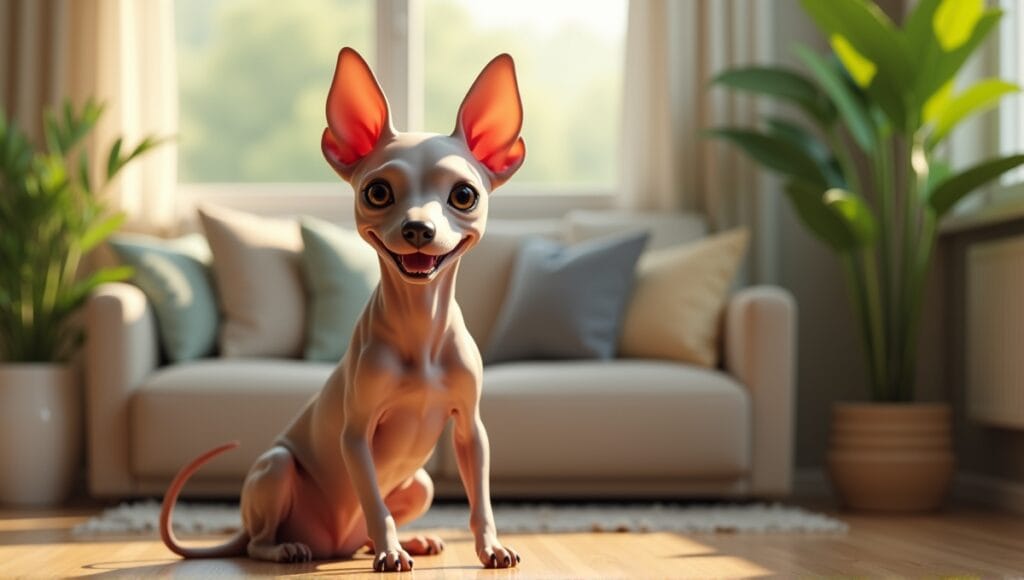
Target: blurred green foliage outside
point(254, 74)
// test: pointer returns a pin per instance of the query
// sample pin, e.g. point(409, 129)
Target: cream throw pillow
point(676, 309)
point(257, 266)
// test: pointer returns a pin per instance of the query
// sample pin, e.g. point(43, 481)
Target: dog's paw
point(423, 545)
point(393, 560)
point(293, 552)
point(498, 556)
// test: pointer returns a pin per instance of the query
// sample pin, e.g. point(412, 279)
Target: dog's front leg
point(380, 525)
point(472, 451)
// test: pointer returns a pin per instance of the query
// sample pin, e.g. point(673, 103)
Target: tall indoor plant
point(51, 216)
point(865, 174)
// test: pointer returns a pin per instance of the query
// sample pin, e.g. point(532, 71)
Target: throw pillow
point(566, 302)
point(341, 271)
point(677, 304)
point(256, 262)
point(175, 276)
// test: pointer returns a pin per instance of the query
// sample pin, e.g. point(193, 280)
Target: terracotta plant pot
point(892, 457)
point(40, 435)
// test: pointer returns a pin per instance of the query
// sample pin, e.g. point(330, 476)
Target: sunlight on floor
point(40, 523)
point(45, 543)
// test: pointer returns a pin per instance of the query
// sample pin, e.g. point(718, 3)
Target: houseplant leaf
point(938, 171)
point(937, 103)
point(863, 36)
point(116, 162)
point(919, 30)
point(78, 291)
point(941, 66)
point(954, 21)
point(811, 145)
point(860, 68)
point(853, 113)
point(101, 230)
point(983, 95)
point(855, 215)
point(785, 84)
point(867, 30)
point(775, 153)
point(809, 203)
point(951, 190)
point(114, 159)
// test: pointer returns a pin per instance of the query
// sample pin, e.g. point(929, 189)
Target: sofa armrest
point(121, 350)
point(760, 351)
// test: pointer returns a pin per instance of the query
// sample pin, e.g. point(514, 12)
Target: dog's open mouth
point(418, 264)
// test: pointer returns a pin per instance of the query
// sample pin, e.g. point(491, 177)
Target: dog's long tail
point(236, 546)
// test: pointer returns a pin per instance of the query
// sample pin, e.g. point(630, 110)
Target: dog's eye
point(378, 194)
point(463, 197)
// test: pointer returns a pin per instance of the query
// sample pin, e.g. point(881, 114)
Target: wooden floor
point(960, 542)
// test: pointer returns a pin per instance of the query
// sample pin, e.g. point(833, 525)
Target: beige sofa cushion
point(257, 266)
point(613, 419)
point(185, 409)
point(676, 309)
point(665, 229)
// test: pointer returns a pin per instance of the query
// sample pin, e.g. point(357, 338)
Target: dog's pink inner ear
point(491, 117)
point(357, 111)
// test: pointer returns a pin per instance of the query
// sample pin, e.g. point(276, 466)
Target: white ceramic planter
point(40, 433)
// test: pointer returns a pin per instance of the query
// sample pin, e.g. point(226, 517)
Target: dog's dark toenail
point(518, 559)
point(507, 560)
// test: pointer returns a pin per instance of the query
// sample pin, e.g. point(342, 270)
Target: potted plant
point(865, 174)
point(50, 217)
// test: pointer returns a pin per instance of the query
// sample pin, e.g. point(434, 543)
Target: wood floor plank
point(961, 542)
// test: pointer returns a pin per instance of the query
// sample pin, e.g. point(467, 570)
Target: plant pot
point(891, 457)
point(40, 437)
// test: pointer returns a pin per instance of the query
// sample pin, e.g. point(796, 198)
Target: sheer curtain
point(673, 49)
point(120, 52)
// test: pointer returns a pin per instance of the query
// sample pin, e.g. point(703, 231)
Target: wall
point(829, 365)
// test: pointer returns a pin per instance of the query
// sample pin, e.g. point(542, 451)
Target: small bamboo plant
point(51, 215)
point(864, 171)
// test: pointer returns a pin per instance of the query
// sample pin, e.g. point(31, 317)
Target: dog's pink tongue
point(418, 262)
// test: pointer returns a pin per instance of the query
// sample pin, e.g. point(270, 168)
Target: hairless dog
point(348, 471)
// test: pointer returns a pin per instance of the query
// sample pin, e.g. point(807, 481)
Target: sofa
point(620, 428)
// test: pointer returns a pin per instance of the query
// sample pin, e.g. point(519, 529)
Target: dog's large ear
point(490, 119)
point(357, 114)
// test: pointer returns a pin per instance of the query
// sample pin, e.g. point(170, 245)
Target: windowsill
point(1007, 205)
point(333, 201)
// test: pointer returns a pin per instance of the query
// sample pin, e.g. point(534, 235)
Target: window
point(1011, 67)
point(254, 74)
point(569, 60)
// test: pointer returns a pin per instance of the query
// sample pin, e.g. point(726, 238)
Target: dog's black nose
point(417, 233)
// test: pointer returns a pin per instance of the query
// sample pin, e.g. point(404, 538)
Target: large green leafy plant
point(50, 217)
point(864, 170)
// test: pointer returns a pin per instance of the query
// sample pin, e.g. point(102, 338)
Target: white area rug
point(524, 518)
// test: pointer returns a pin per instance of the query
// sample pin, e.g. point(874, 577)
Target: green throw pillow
point(175, 276)
point(341, 271)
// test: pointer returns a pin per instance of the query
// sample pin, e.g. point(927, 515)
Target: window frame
point(1003, 201)
point(399, 30)
point(1011, 110)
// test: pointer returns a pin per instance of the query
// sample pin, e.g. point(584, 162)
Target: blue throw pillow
point(566, 302)
point(175, 276)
